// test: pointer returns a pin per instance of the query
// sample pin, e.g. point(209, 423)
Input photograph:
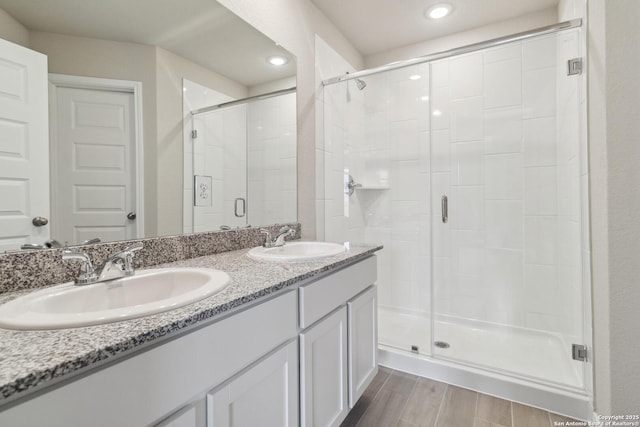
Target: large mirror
point(164, 118)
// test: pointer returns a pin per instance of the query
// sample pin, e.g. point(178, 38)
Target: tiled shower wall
point(505, 148)
point(272, 160)
point(328, 64)
point(380, 136)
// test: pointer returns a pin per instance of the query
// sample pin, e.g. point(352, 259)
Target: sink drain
point(441, 344)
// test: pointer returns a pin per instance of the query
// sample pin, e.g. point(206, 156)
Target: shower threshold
point(570, 403)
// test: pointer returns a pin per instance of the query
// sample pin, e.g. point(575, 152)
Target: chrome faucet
point(49, 244)
point(87, 274)
point(279, 239)
point(117, 265)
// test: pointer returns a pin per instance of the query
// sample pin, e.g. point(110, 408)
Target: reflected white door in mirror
point(95, 172)
point(24, 149)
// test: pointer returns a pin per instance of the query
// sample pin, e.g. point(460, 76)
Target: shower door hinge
point(579, 352)
point(194, 134)
point(574, 66)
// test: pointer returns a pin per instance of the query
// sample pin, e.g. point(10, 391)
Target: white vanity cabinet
point(153, 386)
point(338, 343)
point(301, 357)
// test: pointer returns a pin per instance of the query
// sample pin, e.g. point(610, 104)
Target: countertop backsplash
point(36, 269)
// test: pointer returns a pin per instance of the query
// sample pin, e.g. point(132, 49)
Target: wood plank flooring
point(397, 399)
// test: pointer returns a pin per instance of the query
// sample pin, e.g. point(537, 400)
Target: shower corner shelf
point(372, 187)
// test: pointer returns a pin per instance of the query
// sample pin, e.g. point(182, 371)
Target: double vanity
point(281, 336)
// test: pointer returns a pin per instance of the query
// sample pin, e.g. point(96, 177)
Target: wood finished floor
point(402, 400)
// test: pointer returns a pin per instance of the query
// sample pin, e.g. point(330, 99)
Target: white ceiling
point(375, 26)
point(202, 31)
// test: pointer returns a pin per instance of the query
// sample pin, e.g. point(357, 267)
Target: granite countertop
point(30, 360)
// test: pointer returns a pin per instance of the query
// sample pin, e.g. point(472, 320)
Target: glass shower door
point(506, 164)
point(377, 191)
point(220, 169)
point(244, 165)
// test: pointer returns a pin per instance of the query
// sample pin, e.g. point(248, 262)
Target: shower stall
point(470, 167)
point(240, 159)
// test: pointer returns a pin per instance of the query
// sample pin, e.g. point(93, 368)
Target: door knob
point(40, 221)
point(131, 215)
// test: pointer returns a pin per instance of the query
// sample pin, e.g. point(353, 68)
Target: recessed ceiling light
point(277, 60)
point(415, 77)
point(438, 11)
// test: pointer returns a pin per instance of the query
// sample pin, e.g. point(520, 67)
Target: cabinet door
point(323, 371)
point(265, 395)
point(363, 343)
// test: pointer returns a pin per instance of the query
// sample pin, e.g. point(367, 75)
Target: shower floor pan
point(527, 366)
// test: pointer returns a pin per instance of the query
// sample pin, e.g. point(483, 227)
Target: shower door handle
point(239, 202)
point(445, 208)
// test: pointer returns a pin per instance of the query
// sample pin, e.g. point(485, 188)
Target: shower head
point(360, 84)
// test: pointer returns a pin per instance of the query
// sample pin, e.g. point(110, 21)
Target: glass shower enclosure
point(471, 170)
point(240, 163)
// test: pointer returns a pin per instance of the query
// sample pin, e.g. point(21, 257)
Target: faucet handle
point(134, 248)
point(91, 241)
point(126, 255)
point(267, 241)
point(282, 234)
point(69, 255)
point(32, 246)
point(127, 252)
point(86, 274)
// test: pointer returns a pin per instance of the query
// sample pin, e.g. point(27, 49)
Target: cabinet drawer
point(319, 298)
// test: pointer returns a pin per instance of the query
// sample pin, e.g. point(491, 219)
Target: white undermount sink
point(296, 251)
point(147, 292)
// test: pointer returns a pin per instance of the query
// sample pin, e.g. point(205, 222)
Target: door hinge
point(194, 134)
point(579, 352)
point(574, 66)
